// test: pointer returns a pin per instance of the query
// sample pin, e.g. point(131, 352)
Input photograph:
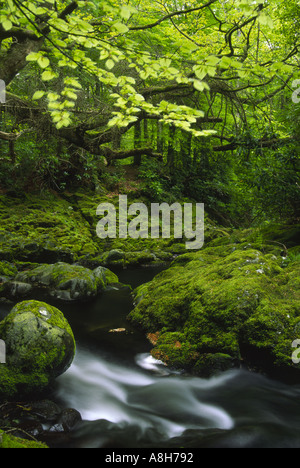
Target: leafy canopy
point(145, 56)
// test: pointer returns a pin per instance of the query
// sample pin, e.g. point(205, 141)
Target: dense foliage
point(203, 96)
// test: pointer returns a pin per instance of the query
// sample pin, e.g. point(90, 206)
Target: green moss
point(175, 350)
point(209, 364)
point(68, 282)
point(54, 317)
point(8, 270)
point(42, 228)
point(10, 441)
point(222, 301)
point(40, 346)
point(105, 277)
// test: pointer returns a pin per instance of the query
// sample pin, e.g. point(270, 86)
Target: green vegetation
point(192, 101)
point(223, 301)
point(40, 347)
point(10, 441)
point(203, 97)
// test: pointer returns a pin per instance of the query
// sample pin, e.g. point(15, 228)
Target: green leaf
point(38, 95)
point(53, 96)
point(110, 64)
point(7, 24)
point(265, 20)
point(212, 60)
point(121, 28)
point(49, 75)
point(43, 62)
point(63, 123)
point(138, 98)
point(226, 62)
point(70, 94)
point(200, 72)
point(33, 57)
point(200, 85)
point(72, 82)
point(243, 73)
point(125, 12)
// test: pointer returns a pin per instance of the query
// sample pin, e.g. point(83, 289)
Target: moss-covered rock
point(66, 282)
point(44, 229)
point(15, 290)
point(270, 238)
point(118, 258)
point(7, 270)
point(52, 228)
point(105, 276)
point(218, 305)
point(40, 346)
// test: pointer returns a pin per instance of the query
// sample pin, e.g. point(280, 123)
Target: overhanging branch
point(112, 155)
point(14, 59)
point(13, 136)
point(172, 15)
point(273, 143)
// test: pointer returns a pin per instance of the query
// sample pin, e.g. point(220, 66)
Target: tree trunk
point(137, 143)
point(15, 59)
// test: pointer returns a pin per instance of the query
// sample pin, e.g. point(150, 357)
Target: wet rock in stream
point(43, 420)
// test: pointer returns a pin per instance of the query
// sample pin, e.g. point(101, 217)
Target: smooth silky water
point(129, 400)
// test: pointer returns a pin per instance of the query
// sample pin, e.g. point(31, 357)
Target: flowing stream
point(129, 400)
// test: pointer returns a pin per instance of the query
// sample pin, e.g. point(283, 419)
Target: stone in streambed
point(40, 346)
point(15, 289)
point(69, 282)
point(221, 307)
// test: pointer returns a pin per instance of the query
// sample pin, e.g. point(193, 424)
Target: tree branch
point(18, 33)
point(14, 60)
point(13, 136)
point(68, 10)
point(9, 136)
point(112, 155)
point(171, 15)
point(274, 143)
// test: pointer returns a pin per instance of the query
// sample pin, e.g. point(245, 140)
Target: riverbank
point(50, 228)
point(234, 303)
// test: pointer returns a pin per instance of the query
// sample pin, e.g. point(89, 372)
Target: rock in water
point(222, 307)
point(40, 346)
point(69, 282)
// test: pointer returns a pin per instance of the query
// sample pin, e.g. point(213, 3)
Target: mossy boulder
point(7, 270)
point(120, 259)
point(68, 282)
point(44, 229)
point(270, 238)
point(105, 276)
point(40, 346)
point(223, 305)
point(15, 290)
